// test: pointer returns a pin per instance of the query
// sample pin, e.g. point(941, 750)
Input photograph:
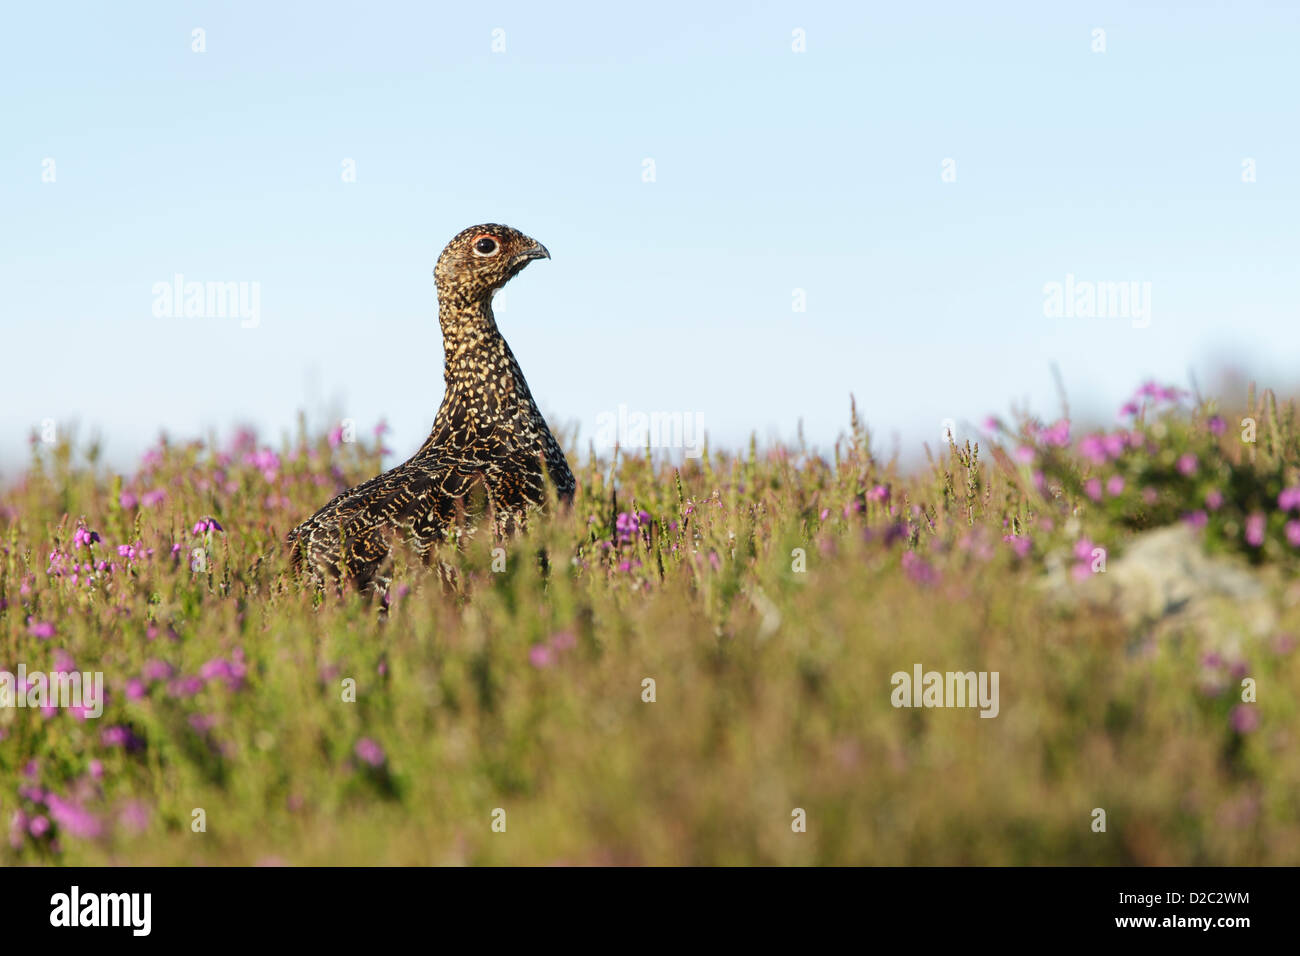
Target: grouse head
point(481, 259)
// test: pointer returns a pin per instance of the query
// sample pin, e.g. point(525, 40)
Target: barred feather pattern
point(489, 450)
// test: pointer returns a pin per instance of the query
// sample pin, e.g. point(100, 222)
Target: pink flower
point(369, 752)
point(126, 500)
point(1244, 718)
point(1056, 435)
point(1255, 530)
point(1092, 448)
point(156, 670)
point(1289, 499)
point(1115, 486)
point(231, 672)
point(1187, 464)
point(1197, 519)
point(1020, 544)
point(134, 815)
point(541, 656)
point(1293, 533)
point(1214, 499)
point(73, 819)
point(43, 630)
point(918, 569)
point(1216, 425)
point(1092, 488)
point(563, 641)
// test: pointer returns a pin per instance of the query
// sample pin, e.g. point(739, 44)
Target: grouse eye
point(486, 246)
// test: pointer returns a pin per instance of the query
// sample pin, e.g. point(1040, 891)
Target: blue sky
point(774, 171)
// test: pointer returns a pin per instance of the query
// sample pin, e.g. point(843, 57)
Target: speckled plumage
point(488, 446)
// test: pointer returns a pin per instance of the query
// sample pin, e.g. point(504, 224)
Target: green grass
point(522, 689)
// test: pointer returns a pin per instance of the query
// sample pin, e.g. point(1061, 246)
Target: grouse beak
point(538, 251)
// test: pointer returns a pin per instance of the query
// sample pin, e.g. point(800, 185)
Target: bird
point(489, 448)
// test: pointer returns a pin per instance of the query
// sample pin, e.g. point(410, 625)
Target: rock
point(1165, 582)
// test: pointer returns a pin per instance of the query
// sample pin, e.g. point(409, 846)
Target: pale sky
point(774, 171)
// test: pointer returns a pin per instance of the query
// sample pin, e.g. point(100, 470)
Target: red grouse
point(489, 444)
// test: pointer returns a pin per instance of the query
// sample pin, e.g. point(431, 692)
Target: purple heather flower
point(1293, 533)
point(202, 723)
point(153, 497)
point(232, 673)
point(879, 493)
point(918, 569)
point(1092, 488)
point(134, 815)
point(41, 629)
point(1214, 499)
point(1288, 499)
point(1197, 519)
point(1244, 718)
point(1128, 409)
point(156, 670)
point(1187, 464)
point(1020, 544)
point(1255, 530)
point(1115, 485)
point(115, 736)
point(74, 819)
point(127, 500)
point(541, 656)
point(1093, 448)
point(1024, 454)
point(1056, 435)
point(368, 751)
point(563, 641)
point(1216, 425)
point(184, 686)
point(96, 770)
point(39, 826)
point(17, 829)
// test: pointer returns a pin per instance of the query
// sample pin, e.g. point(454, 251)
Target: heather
point(495, 708)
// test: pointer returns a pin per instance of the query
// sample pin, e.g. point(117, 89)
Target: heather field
point(691, 665)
